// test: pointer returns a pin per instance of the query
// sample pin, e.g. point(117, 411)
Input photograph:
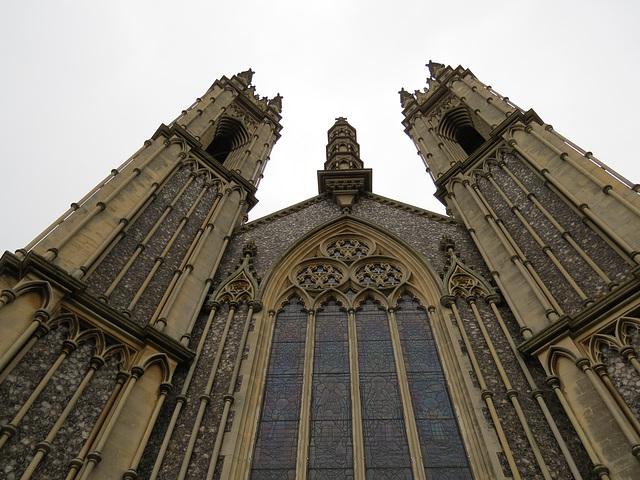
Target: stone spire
point(344, 175)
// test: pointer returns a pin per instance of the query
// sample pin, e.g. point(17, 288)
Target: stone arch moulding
point(422, 281)
point(40, 287)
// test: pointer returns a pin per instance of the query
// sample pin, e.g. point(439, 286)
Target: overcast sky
point(84, 83)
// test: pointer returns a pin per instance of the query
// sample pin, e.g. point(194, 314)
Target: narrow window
point(220, 147)
point(469, 139)
point(229, 136)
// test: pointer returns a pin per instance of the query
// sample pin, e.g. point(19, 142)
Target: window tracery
point(379, 274)
point(348, 284)
point(319, 276)
point(348, 249)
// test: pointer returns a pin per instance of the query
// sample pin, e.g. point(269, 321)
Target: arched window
point(457, 125)
point(276, 449)
point(335, 400)
point(469, 139)
point(229, 136)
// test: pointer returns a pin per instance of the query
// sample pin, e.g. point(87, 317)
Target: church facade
point(152, 332)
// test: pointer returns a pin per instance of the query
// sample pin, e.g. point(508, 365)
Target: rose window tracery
point(348, 249)
point(379, 274)
point(319, 276)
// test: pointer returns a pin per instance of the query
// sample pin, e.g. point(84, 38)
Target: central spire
point(344, 175)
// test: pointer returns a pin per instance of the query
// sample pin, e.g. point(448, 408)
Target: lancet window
point(354, 384)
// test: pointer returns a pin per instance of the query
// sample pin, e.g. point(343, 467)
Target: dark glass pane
point(331, 323)
point(420, 356)
point(440, 443)
point(287, 358)
point(380, 397)
point(331, 474)
point(273, 475)
point(385, 444)
point(331, 445)
point(290, 328)
point(448, 474)
point(331, 357)
point(385, 439)
point(376, 357)
point(331, 397)
point(282, 398)
point(389, 473)
point(372, 322)
point(443, 453)
point(412, 321)
point(277, 444)
point(429, 395)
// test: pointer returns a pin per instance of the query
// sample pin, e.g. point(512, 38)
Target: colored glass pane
point(277, 442)
point(441, 444)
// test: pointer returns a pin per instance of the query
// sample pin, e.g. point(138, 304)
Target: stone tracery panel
point(348, 265)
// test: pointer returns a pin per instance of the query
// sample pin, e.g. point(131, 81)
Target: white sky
point(84, 83)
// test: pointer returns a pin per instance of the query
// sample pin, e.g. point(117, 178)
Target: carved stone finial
point(434, 68)
point(447, 243)
point(276, 103)
point(405, 98)
point(245, 77)
point(250, 249)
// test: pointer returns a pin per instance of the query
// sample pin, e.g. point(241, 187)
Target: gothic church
point(151, 332)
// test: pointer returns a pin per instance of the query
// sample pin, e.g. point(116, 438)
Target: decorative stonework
point(319, 276)
point(379, 274)
point(348, 249)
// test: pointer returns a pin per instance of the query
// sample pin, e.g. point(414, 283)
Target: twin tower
point(152, 332)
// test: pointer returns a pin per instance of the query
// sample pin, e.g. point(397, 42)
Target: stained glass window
point(276, 447)
point(443, 452)
point(385, 439)
point(331, 447)
point(331, 438)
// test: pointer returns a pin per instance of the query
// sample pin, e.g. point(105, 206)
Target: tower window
point(229, 136)
point(457, 125)
point(469, 139)
point(220, 147)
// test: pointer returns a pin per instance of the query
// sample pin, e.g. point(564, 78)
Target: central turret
point(344, 175)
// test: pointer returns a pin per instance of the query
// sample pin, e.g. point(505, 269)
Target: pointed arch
point(290, 292)
point(598, 341)
point(40, 287)
point(230, 134)
point(124, 353)
point(97, 336)
point(162, 361)
point(399, 292)
point(458, 125)
point(331, 294)
point(69, 319)
point(329, 340)
point(369, 292)
point(555, 354)
point(176, 140)
point(423, 275)
point(624, 326)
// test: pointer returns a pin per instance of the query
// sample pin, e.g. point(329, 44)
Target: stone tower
point(122, 276)
point(558, 230)
point(151, 332)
